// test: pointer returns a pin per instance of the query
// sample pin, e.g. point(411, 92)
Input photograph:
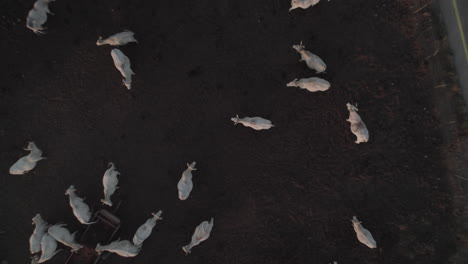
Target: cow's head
point(36, 219)
point(70, 190)
point(235, 119)
point(99, 42)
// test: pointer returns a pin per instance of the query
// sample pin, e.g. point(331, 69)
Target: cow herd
point(45, 237)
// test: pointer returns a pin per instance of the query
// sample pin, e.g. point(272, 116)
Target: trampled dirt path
point(280, 196)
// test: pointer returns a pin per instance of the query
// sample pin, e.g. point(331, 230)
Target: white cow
point(144, 231)
point(256, 122)
point(185, 184)
point(80, 209)
point(122, 63)
point(110, 182)
point(363, 235)
point(48, 248)
point(357, 125)
point(313, 61)
point(118, 39)
point(28, 162)
point(37, 16)
point(38, 233)
point(202, 233)
point(304, 4)
point(62, 235)
point(122, 248)
point(313, 84)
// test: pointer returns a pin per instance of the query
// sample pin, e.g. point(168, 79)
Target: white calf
point(38, 16)
point(304, 4)
point(256, 122)
point(122, 63)
point(122, 248)
point(62, 235)
point(185, 184)
point(118, 39)
point(110, 182)
point(313, 61)
point(38, 233)
point(28, 162)
point(363, 235)
point(144, 231)
point(358, 127)
point(202, 233)
point(313, 84)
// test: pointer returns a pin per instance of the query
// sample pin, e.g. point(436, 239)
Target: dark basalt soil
point(284, 195)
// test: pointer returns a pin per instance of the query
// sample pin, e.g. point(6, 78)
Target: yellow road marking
point(460, 28)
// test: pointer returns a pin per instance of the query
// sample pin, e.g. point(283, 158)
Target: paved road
point(455, 14)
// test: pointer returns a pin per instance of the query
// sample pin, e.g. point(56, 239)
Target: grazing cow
point(144, 231)
point(48, 248)
point(38, 233)
point(122, 248)
point(304, 4)
point(358, 127)
point(28, 162)
point(38, 16)
point(62, 235)
point(118, 39)
point(202, 233)
point(80, 209)
point(256, 122)
point(313, 84)
point(110, 182)
point(363, 235)
point(185, 184)
point(122, 63)
point(313, 61)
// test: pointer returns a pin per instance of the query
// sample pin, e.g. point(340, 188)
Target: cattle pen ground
point(285, 195)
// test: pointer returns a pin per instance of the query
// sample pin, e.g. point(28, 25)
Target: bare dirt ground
point(280, 196)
